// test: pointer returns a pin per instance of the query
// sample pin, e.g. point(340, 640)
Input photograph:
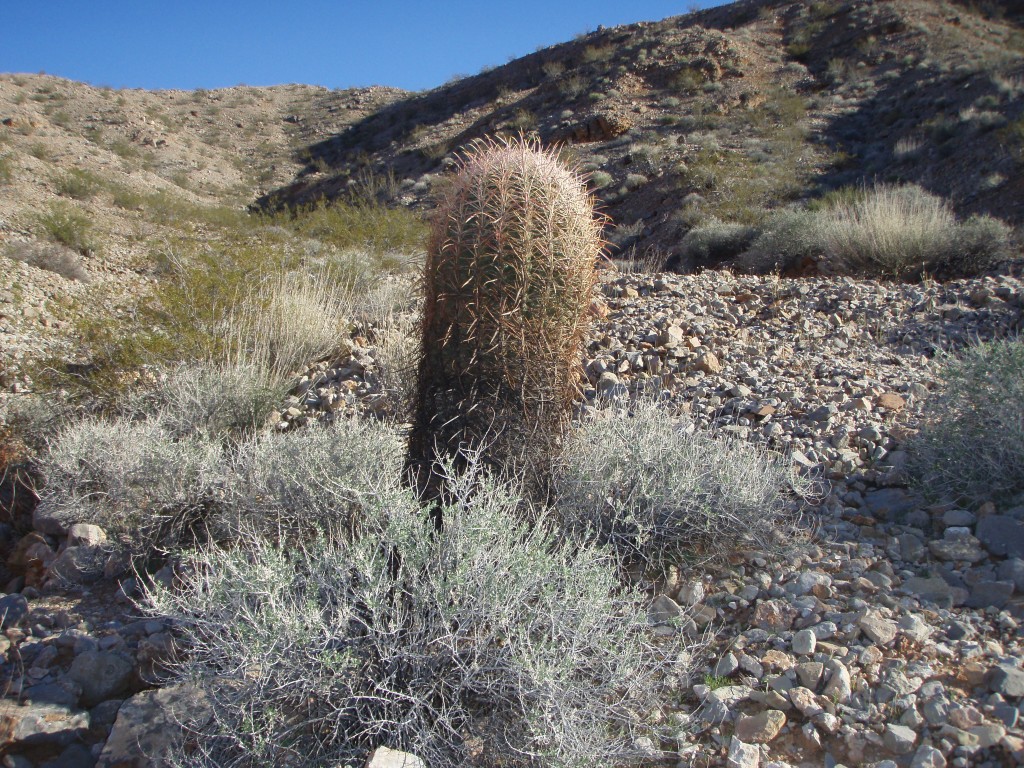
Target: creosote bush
point(715, 241)
point(659, 493)
point(68, 226)
point(507, 287)
point(488, 643)
point(971, 444)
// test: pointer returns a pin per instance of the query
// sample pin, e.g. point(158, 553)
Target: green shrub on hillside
point(715, 241)
point(6, 169)
point(971, 444)
point(79, 184)
point(69, 226)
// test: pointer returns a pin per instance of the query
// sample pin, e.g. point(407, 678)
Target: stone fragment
point(86, 535)
point(810, 673)
point(1001, 535)
point(990, 594)
point(899, 739)
point(39, 724)
point(957, 544)
point(774, 615)
point(928, 756)
point(383, 757)
point(12, 609)
point(663, 610)
point(933, 590)
point(708, 363)
point(804, 642)
point(152, 723)
point(891, 401)
point(742, 755)
point(1007, 680)
point(727, 665)
point(78, 565)
point(839, 686)
point(102, 675)
point(805, 701)
point(760, 728)
point(880, 630)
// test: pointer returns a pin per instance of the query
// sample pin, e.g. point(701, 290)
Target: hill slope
point(729, 111)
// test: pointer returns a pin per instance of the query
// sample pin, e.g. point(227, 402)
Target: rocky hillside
point(728, 112)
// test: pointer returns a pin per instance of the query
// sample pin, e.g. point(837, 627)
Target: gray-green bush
point(715, 241)
point(659, 493)
point(971, 444)
point(487, 643)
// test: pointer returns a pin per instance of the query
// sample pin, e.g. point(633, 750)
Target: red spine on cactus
point(508, 280)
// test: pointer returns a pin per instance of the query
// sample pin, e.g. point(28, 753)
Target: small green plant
point(714, 682)
point(78, 184)
point(6, 169)
point(715, 242)
point(69, 226)
point(971, 444)
point(39, 151)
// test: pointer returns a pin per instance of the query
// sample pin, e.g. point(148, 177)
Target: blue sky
point(412, 44)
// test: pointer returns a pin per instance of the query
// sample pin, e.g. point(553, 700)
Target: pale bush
point(660, 493)
point(905, 232)
point(488, 643)
point(211, 400)
point(715, 241)
point(972, 440)
point(130, 477)
point(316, 480)
point(293, 321)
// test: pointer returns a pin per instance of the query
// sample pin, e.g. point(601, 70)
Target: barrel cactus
point(508, 281)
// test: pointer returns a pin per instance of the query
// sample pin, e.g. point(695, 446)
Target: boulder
point(152, 723)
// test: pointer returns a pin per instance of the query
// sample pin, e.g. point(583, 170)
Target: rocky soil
point(891, 638)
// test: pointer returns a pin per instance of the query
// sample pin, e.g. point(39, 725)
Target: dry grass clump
point(905, 231)
point(659, 493)
point(971, 444)
point(886, 231)
point(490, 642)
point(715, 241)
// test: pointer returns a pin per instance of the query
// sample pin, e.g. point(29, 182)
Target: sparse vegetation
point(49, 256)
point(506, 642)
point(971, 445)
point(657, 493)
point(67, 225)
point(78, 183)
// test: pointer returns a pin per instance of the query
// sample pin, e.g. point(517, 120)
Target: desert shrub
point(716, 241)
point(359, 224)
point(971, 443)
point(659, 493)
point(78, 183)
point(293, 320)
point(51, 257)
point(789, 236)
point(323, 479)
point(904, 232)
point(6, 169)
point(68, 226)
point(210, 401)
point(486, 643)
point(130, 477)
point(600, 179)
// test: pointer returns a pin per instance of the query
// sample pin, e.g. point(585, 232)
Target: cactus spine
point(508, 281)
